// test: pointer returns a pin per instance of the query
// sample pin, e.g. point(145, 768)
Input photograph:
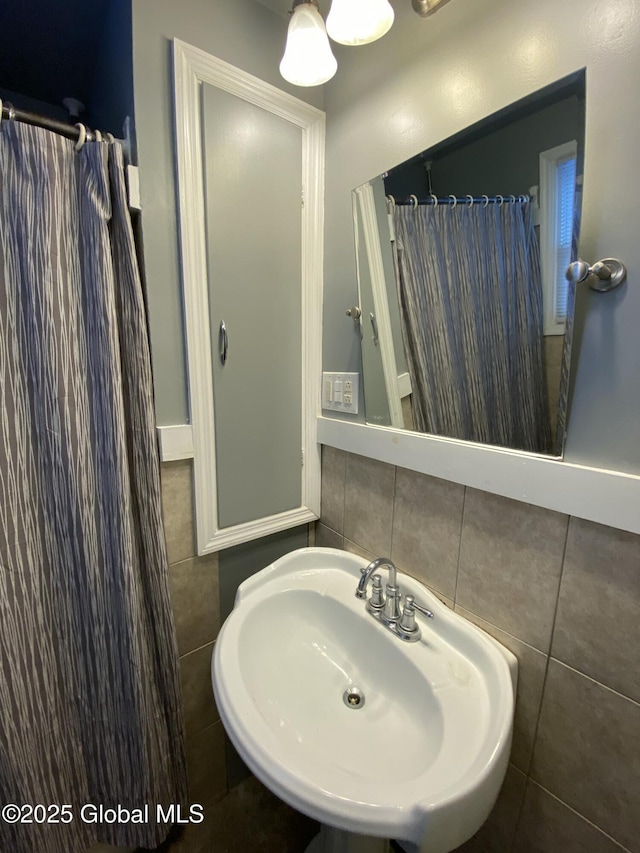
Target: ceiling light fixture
point(355, 22)
point(427, 7)
point(307, 60)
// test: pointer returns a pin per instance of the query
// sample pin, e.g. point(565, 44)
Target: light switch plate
point(340, 392)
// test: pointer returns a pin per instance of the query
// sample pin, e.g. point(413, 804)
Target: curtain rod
point(468, 200)
point(68, 130)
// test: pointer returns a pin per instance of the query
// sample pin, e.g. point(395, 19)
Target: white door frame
point(192, 68)
point(367, 210)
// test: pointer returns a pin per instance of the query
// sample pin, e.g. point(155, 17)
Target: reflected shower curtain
point(470, 298)
point(90, 709)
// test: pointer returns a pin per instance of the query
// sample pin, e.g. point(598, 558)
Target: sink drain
point(353, 698)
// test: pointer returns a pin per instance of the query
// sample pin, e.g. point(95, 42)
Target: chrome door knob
point(603, 276)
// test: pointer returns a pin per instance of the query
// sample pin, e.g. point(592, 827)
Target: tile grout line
point(595, 681)
point(623, 849)
point(512, 846)
point(393, 510)
point(557, 604)
point(504, 631)
point(546, 670)
point(344, 495)
point(464, 505)
point(198, 648)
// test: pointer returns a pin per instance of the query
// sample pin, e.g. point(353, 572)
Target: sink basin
point(349, 724)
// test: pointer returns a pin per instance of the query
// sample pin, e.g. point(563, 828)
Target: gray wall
point(429, 79)
point(248, 36)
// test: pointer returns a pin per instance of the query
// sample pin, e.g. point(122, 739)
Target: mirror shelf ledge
point(595, 494)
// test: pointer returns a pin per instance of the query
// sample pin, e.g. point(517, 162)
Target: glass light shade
point(359, 21)
point(307, 60)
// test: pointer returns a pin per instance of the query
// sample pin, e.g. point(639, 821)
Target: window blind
point(565, 191)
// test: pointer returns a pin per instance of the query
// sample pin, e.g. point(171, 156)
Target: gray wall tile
point(250, 819)
point(206, 765)
point(532, 666)
point(237, 770)
point(195, 597)
point(334, 464)
point(240, 562)
point(510, 565)
point(598, 623)
point(546, 825)
point(443, 598)
point(587, 752)
point(327, 538)
point(197, 693)
point(427, 522)
point(368, 506)
point(178, 510)
point(497, 833)
point(354, 548)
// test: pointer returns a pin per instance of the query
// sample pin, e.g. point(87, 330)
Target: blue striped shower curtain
point(90, 708)
point(470, 296)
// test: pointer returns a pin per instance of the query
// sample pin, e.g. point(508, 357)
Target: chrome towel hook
point(603, 276)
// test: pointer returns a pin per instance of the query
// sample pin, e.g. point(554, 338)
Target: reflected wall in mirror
point(467, 317)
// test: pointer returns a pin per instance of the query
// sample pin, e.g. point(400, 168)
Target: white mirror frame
point(192, 67)
point(607, 497)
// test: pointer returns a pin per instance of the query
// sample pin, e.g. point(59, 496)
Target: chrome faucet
point(387, 609)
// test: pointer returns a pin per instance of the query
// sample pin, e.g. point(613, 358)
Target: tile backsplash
point(563, 595)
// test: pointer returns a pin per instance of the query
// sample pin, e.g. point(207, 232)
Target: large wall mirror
point(466, 315)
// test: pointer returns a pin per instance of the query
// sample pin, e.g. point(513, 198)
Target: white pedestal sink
point(354, 727)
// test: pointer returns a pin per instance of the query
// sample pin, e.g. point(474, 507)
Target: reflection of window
point(557, 195)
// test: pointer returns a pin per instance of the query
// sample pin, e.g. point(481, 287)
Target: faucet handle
point(409, 601)
point(407, 624)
